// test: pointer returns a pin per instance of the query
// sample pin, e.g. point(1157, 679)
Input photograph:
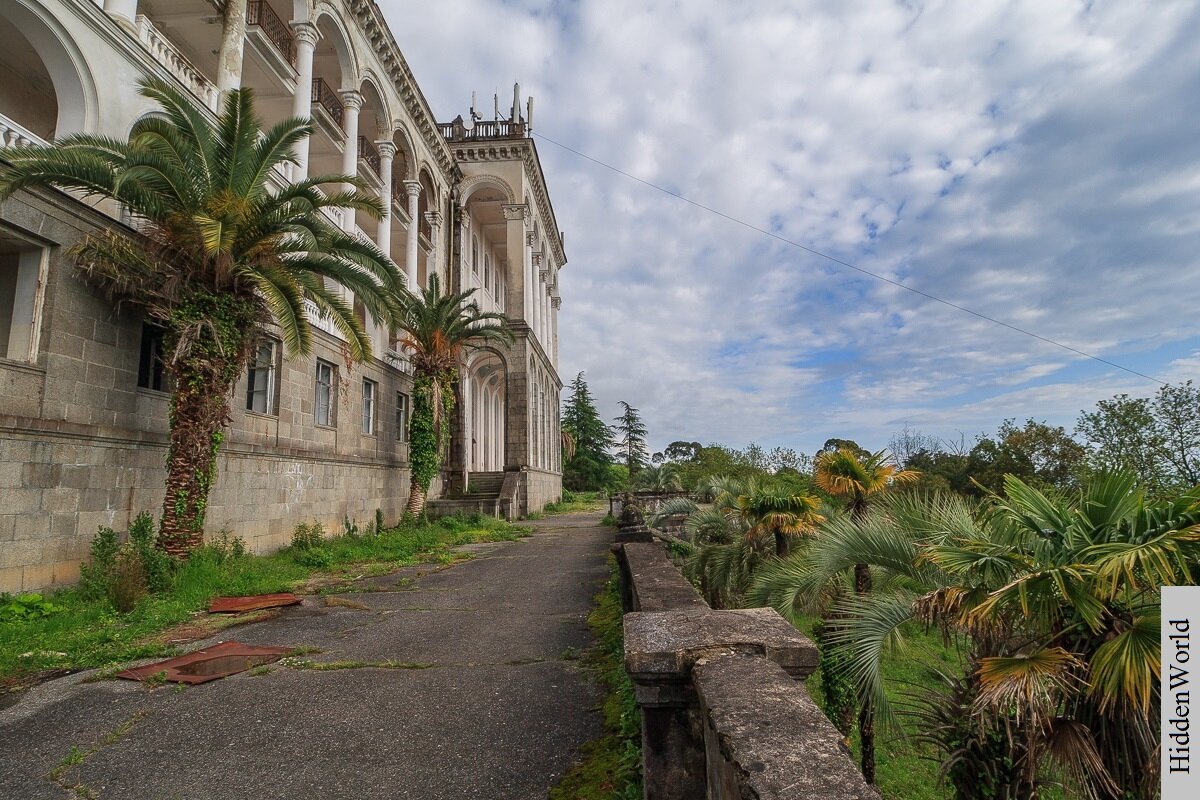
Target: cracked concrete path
point(454, 683)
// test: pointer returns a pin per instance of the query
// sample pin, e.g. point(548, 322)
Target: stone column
point(387, 151)
point(306, 35)
point(413, 188)
point(233, 41)
point(534, 315)
point(514, 238)
point(434, 218)
point(352, 101)
point(555, 305)
point(125, 10)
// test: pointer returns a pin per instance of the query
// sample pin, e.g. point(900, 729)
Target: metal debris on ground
point(201, 666)
point(234, 605)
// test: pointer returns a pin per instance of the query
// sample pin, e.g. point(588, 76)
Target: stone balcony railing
point(725, 715)
point(13, 134)
point(168, 55)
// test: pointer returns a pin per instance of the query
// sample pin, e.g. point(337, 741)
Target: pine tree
point(631, 438)
point(587, 467)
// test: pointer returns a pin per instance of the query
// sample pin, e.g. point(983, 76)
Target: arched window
point(487, 272)
point(474, 254)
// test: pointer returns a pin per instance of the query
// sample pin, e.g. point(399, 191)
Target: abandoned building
point(83, 406)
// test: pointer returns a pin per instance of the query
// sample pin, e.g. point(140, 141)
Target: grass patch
point(576, 502)
point(83, 633)
point(612, 765)
point(904, 768)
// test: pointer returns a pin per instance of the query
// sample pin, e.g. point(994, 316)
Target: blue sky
point(1037, 162)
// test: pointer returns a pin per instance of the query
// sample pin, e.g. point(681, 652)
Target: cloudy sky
point(1037, 162)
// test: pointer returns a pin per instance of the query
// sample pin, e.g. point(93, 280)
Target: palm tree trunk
point(416, 500)
point(199, 413)
point(782, 544)
point(206, 347)
point(866, 730)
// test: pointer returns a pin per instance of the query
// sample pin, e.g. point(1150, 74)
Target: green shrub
point(568, 496)
point(25, 606)
point(315, 557)
point(129, 579)
point(96, 575)
point(379, 526)
point(349, 527)
point(225, 547)
point(308, 535)
point(157, 565)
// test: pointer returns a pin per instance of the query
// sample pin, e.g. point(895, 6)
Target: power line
point(847, 264)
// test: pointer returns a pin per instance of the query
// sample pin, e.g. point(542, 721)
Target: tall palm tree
point(843, 473)
point(218, 254)
point(434, 330)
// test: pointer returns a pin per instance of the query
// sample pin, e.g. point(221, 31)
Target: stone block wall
point(81, 445)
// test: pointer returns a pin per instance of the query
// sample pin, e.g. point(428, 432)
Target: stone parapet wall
point(724, 714)
point(538, 488)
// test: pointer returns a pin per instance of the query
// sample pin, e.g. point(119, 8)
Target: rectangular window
point(21, 268)
point(323, 403)
point(150, 360)
point(368, 407)
point(401, 417)
point(260, 382)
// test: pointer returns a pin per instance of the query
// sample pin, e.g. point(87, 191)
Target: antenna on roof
point(475, 117)
point(496, 102)
point(529, 113)
point(516, 109)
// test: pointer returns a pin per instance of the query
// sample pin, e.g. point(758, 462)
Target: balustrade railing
point(368, 153)
point(328, 99)
point(457, 131)
point(259, 13)
point(168, 55)
point(13, 134)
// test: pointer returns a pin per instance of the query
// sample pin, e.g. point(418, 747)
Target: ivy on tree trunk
point(206, 345)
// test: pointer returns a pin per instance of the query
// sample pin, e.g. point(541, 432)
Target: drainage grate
point(218, 661)
point(233, 605)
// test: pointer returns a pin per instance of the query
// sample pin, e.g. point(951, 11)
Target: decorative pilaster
point(387, 152)
point(352, 101)
point(413, 190)
point(434, 218)
point(306, 35)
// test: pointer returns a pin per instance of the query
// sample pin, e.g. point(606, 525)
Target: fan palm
point(217, 256)
point(434, 330)
point(1059, 600)
point(856, 479)
point(658, 478)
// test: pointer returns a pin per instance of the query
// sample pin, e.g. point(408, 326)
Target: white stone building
point(82, 400)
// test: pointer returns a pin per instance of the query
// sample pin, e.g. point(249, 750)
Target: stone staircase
point(484, 494)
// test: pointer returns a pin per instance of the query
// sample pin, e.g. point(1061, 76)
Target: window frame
point(151, 371)
point(370, 407)
point(330, 405)
point(271, 404)
point(402, 412)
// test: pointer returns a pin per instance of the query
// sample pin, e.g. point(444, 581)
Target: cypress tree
point(587, 468)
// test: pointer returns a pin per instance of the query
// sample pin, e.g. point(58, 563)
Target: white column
point(351, 102)
point(434, 218)
point(306, 35)
point(534, 314)
point(233, 40)
point(387, 151)
point(555, 305)
point(413, 188)
point(122, 9)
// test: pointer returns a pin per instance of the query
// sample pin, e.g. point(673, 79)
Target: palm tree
point(775, 511)
point(843, 473)
point(434, 330)
point(658, 478)
point(1058, 598)
point(218, 254)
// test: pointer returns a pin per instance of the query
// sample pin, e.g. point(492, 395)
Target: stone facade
point(83, 421)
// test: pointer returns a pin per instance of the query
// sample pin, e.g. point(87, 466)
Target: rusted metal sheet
point(201, 666)
point(233, 605)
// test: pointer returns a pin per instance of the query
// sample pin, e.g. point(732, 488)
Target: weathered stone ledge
point(723, 716)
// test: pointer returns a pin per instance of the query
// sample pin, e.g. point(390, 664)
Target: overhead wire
point(847, 264)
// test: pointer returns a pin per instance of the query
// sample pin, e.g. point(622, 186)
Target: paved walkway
point(500, 714)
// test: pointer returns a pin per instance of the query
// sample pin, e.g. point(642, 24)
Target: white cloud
point(1033, 161)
